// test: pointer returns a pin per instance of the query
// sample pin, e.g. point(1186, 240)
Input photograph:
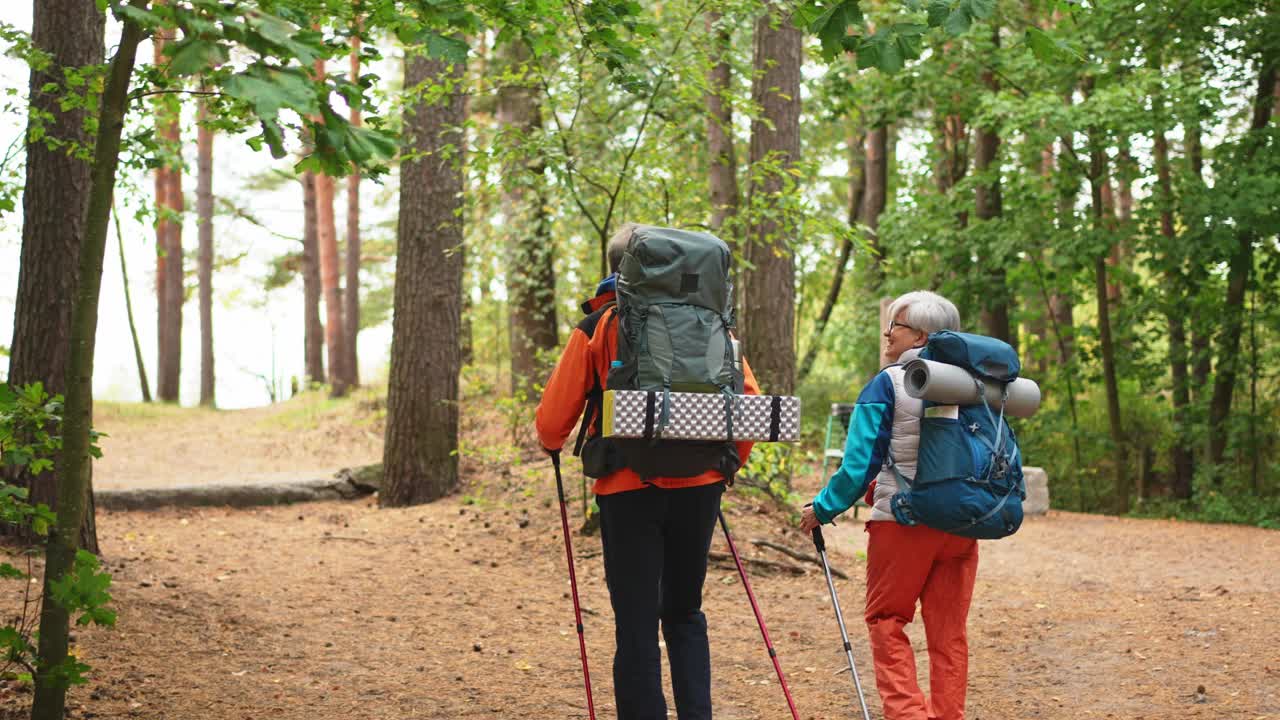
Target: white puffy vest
point(904, 443)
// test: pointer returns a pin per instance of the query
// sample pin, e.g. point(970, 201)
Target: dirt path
point(457, 610)
point(460, 609)
point(307, 438)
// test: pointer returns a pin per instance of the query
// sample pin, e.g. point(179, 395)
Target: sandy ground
point(162, 446)
point(460, 609)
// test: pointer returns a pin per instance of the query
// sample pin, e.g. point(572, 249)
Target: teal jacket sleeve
point(865, 449)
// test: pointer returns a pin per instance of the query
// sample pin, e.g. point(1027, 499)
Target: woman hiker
point(905, 564)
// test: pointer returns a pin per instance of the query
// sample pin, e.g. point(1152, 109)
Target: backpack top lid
point(666, 265)
point(987, 358)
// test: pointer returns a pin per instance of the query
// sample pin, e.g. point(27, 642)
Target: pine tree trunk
point(1097, 177)
point(531, 286)
point(204, 211)
point(169, 279)
point(54, 202)
point(1201, 332)
point(1181, 457)
point(327, 239)
point(169, 382)
point(74, 460)
point(351, 295)
point(1062, 302)
point(722, 168)
point(313, 335)
point(768, 283)
point(988, 205)
point(420, 462)
point(874, 200)
point(1039, 323)
point(853, 210)
point(1238, 272)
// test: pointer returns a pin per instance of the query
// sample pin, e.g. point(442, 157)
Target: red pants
point(905, 565)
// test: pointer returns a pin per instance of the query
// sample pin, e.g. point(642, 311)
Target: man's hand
point(808, 519)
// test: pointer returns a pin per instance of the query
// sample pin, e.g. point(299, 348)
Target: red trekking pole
point(573, 583)
point(773, 655)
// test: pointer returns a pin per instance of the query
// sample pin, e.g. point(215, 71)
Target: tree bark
point(1097, 177)
point(54, 202)
point(1181, 457)
point(768, 282)
point(327, 239)
point(531, 322)
point(988, 206)
point(853, 209)
point(953, 150)
point(74, 460)
point(1062, 302)
point(313, 335)
point(875, 198)
point(419, 457)
point(170, 205)
point(722, 169)
point(1239, 269)
point(204, 211)
point(1201, 356)
point(351, 296)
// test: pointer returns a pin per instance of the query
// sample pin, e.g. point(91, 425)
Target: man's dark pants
point(655, 561)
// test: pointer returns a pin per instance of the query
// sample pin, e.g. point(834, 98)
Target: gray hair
point(618, 244)
point(926, 311)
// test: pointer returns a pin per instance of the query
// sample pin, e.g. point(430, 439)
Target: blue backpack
point(969, 472)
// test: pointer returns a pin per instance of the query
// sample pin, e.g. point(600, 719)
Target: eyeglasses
point(895, 324)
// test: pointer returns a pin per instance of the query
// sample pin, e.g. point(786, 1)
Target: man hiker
point(658, 499)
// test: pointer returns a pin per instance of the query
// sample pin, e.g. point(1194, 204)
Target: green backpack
point(675, 310)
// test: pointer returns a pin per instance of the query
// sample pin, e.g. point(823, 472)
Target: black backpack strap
point(595, 397)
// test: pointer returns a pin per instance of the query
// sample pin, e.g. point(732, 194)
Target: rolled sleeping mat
point(949, 385)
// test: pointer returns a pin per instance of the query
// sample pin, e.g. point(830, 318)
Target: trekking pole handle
point(818, 541)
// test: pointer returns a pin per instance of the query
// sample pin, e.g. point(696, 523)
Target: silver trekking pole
point(821, 545)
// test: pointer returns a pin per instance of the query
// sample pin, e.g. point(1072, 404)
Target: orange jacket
point(586, 357)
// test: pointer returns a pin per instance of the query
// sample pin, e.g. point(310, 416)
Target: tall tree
point(170, 204)
point(722, 168)
point(531, 279)
point(313, 330)
point(327, 240)
point(74, 491)
point(1239, 269)
point(853, 212)
point(1062, 300)
point(768, 281)
point(1097, 178)
point(54, 199)
point(204, 213)
point(988, 205)
point(420, 461)
point(1181, 456)
point(351, 296)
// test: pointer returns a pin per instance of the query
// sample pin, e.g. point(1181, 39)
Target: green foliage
point(889, 47)
point(1213, 506)
point(29, 441)
point(769, 470)
point(84, 591)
